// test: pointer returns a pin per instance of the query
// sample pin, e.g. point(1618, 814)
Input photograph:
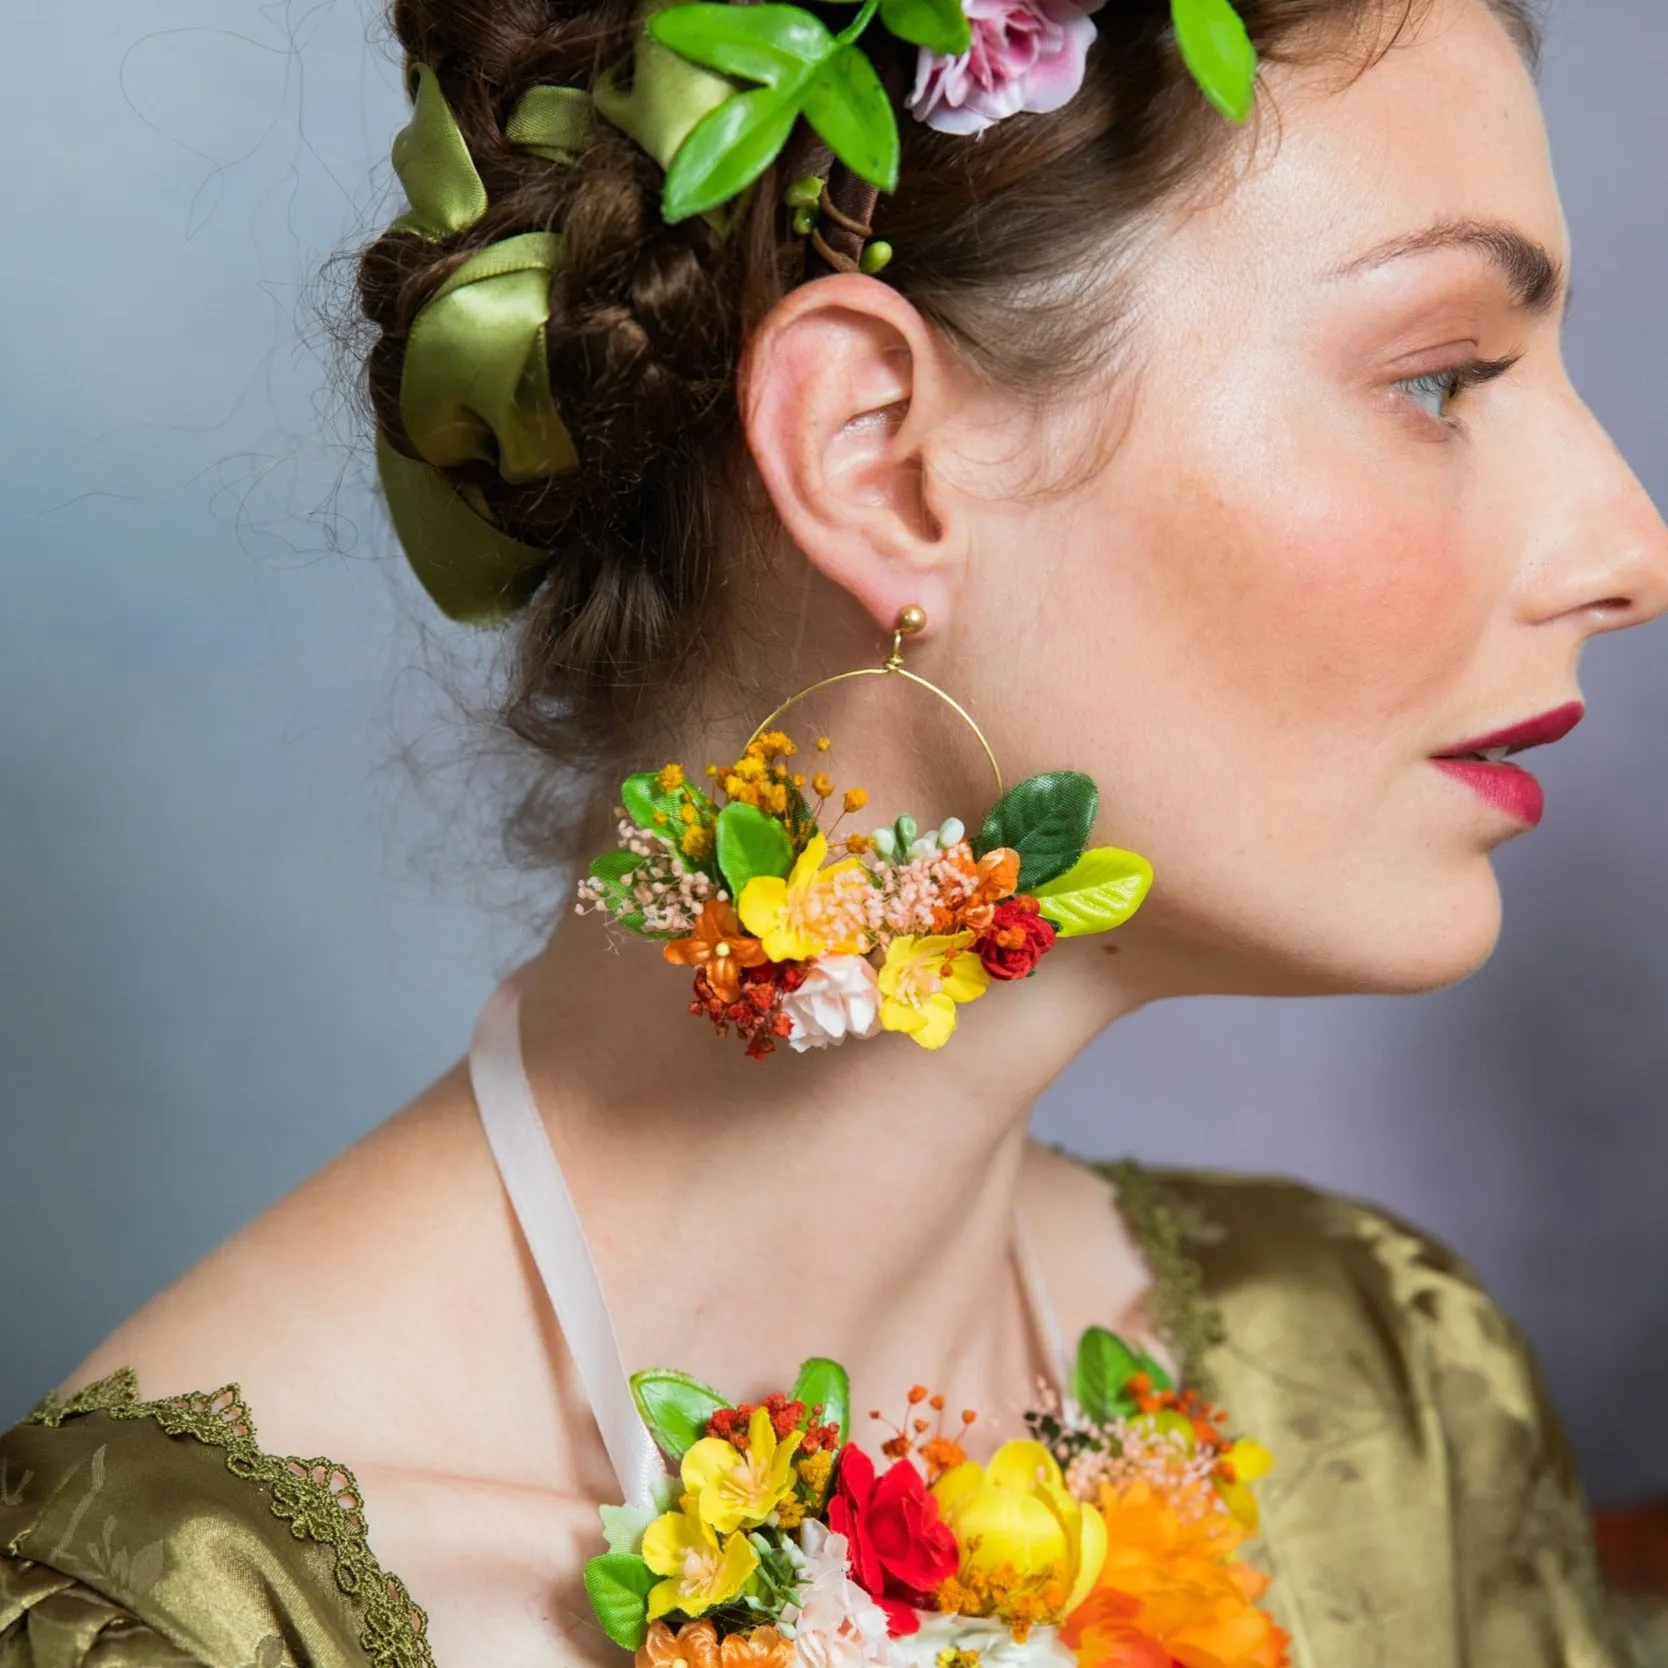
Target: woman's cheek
point(1328, 602)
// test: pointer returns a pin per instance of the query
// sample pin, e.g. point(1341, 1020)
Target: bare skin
point(1291, 581)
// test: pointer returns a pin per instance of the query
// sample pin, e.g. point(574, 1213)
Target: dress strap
point(1044, 1318)
point(550, 1224)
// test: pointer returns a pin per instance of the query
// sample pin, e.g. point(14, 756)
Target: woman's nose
point(1600, 553)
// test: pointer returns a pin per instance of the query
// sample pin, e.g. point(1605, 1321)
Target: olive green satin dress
point(1423, 1512)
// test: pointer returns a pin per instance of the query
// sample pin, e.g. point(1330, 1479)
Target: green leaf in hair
point(802, 68)
point(1218, 52)
point(938, 25)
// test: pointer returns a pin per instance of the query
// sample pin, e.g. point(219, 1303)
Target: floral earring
point(796, 932)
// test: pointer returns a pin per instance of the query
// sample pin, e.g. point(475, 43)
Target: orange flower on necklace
point(720, 947)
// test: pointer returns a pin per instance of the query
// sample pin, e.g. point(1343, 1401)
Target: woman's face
point(1355, 519)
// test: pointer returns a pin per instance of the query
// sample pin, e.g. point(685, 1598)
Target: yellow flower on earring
point(810, 913)
point(922, 983)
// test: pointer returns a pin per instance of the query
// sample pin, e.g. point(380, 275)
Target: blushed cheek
point(1330, 608)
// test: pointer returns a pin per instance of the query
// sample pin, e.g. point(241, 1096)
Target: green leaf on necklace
point(1105, 1364)
point(1218, 52)
point(675, 1407)
point(802, 69)
point(823, 1383)
point(618, 1587)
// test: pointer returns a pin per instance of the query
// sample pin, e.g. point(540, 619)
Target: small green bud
point(886, 843)
point(804, 192)
point(906, 830)
point(876, 256)
point(804, 218)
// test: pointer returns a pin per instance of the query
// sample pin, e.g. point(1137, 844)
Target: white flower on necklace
point(991, 1640)
point(834, 1623)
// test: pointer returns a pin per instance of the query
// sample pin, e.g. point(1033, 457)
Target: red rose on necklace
point(901, 1549)
point(1016, 939)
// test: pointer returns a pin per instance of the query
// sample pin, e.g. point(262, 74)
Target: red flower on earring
point(901, 1549)
point(1016, 940)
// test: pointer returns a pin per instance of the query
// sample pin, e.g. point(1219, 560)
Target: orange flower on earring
point(720, 947)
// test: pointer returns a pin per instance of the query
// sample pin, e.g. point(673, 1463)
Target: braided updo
point(1004, 242)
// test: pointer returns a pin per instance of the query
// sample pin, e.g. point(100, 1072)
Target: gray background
point(234, 933)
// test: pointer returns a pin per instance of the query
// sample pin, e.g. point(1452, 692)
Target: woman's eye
point(1435, 391)
point(1432, 391)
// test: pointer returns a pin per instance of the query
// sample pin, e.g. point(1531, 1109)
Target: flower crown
point(713, 92)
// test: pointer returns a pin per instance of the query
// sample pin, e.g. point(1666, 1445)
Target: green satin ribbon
point(475, 387)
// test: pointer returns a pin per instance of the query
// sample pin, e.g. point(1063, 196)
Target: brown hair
point(647, 320)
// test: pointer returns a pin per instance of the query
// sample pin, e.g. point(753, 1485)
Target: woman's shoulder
point(160, 1533)
point(385, 1314)
point(374, 1311)
point(1424, 1502)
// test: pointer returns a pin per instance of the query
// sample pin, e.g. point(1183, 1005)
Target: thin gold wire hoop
point(910, 622)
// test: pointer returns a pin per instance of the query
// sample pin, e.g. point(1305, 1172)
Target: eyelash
point(1455, 380)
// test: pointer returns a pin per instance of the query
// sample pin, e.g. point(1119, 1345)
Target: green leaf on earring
point(638, 794)
point(1100, 891)
point(1046, 819)
point(751, 844)
point(938, 25)
point(1216, 48)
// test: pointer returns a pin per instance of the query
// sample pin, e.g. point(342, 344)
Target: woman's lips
point(1480, 763)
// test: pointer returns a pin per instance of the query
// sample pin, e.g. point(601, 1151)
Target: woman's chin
point(1431, 935)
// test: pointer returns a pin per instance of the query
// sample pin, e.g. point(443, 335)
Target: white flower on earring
point(839, 998)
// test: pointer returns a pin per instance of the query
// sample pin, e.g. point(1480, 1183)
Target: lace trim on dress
point(317, 1498)
point(1165, 1226)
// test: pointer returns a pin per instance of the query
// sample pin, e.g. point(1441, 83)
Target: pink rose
point(1025, 55)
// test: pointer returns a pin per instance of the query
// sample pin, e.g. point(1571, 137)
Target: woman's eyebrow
point(1536, 277)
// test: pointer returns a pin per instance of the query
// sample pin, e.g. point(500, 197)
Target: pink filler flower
point(1025, 55)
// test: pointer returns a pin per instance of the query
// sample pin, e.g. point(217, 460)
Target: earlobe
point(845, 390)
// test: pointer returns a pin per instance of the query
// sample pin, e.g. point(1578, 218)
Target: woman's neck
point(855, 1201)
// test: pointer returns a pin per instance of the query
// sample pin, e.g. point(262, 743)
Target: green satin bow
point(475, 387)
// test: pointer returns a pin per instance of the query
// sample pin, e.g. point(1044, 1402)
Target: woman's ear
point(846, 398)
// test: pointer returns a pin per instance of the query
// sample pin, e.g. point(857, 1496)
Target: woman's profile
point(1199, 445)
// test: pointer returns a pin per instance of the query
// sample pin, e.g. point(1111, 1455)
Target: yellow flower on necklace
point(1247, 1462)
point(922, 981)
point(733, 1489)
point(796, 917)
point(700, 1569)
point(1021, 1531)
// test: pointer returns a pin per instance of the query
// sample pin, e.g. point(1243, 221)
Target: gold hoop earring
point(911, 622)
point(897, 932)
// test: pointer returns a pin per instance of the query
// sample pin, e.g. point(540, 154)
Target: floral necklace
point(1106, 1538)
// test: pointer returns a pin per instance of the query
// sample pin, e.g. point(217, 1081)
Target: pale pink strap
point(533, 1179)
point(1044, 1318)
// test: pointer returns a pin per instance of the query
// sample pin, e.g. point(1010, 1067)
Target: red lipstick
point(1481, 763)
